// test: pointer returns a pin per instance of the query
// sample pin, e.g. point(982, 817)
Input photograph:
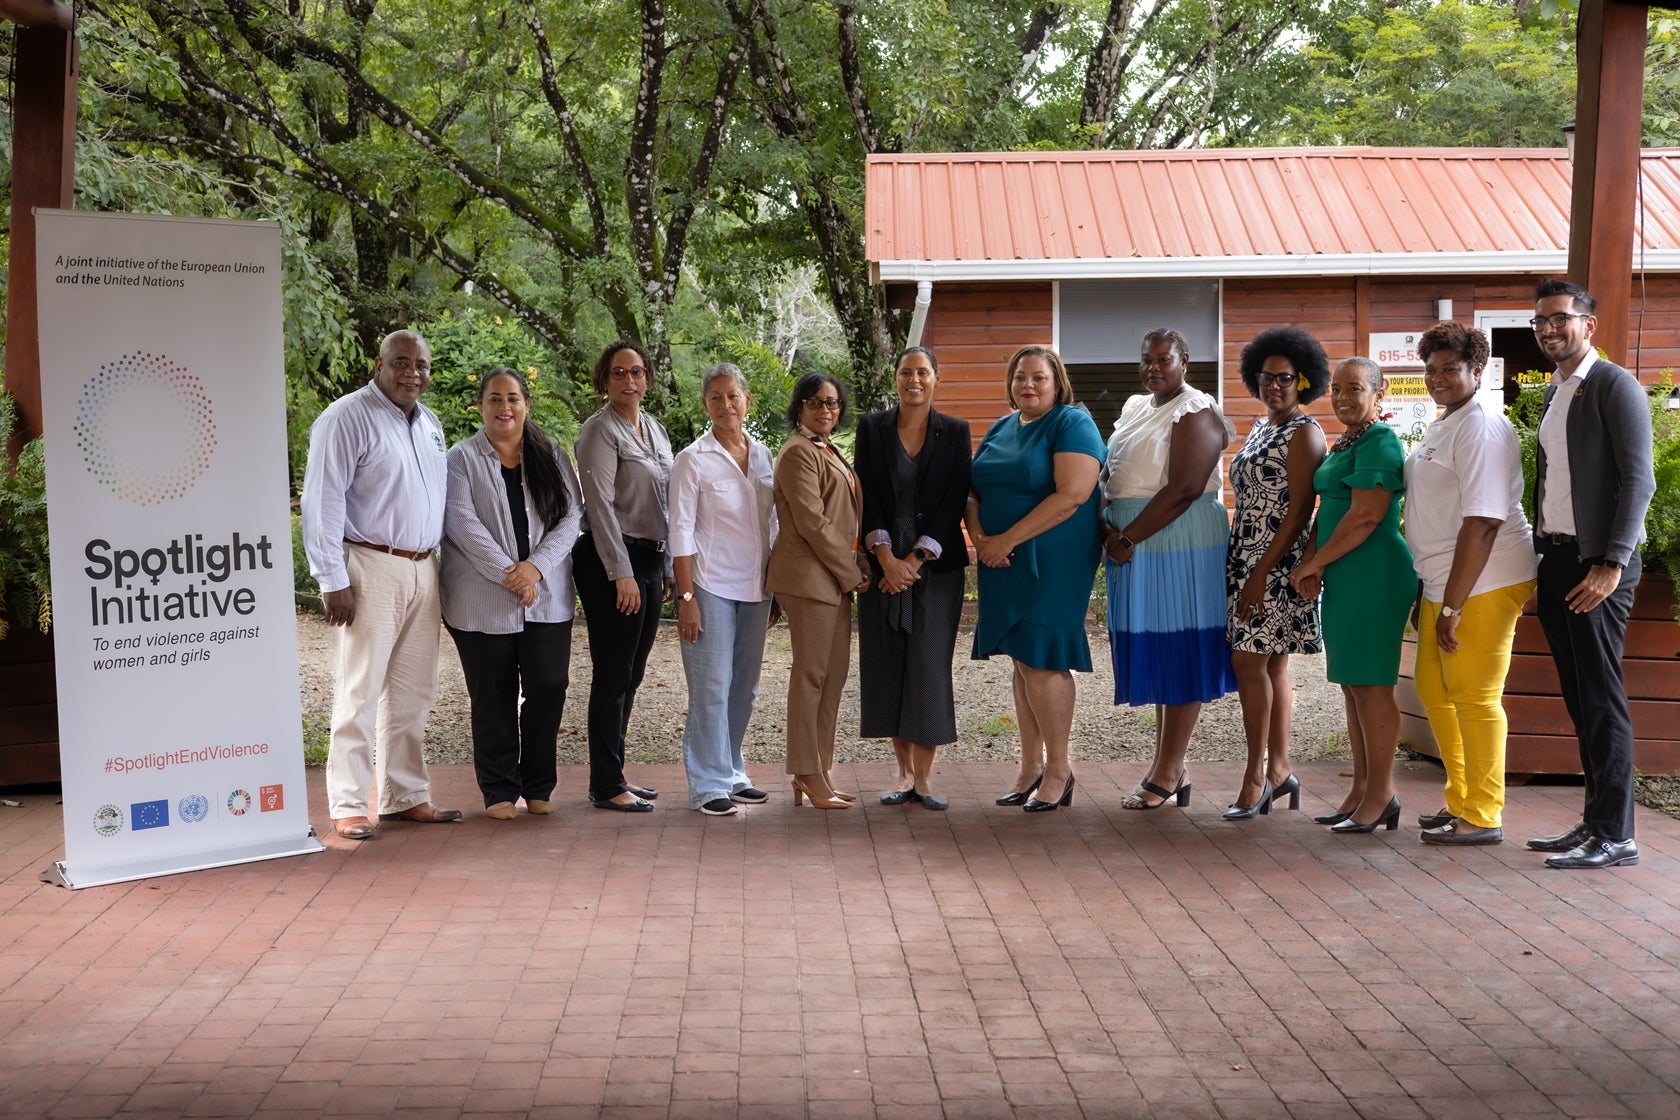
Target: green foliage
point(468, 345)
point(1525, 413)
point(1437, 73)
point(25, 567)
point(302, 582)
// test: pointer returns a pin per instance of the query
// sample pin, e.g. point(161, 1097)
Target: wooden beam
point(43, 174)
point(1609, 104)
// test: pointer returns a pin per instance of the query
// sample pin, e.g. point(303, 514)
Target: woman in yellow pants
point(1475, 559)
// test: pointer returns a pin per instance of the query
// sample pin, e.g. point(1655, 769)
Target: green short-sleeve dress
point(1368, 593)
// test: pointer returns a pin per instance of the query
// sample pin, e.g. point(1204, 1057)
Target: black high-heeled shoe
point(1019, 797)
point(1034, 805)
point(1290, 787)
point(1261, 807)
point(1390, 819)
point(1337, 817)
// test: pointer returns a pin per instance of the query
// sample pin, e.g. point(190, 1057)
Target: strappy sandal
point(1135, 800)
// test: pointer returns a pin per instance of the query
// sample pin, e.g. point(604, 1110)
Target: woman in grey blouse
point(510, 520)
point(622, 568)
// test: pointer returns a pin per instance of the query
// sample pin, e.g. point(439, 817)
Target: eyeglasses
point(1278, 379)
point(1555, 322)
point(496, 400)
point(823, 404)
point(619, 373)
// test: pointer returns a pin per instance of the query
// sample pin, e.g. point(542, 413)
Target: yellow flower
point(498, 319)
point(532, 370)
point(472, 377)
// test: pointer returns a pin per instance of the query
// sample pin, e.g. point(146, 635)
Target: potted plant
point(1541, 738)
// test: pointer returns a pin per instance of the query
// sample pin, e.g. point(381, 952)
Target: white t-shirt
point(1468, 465)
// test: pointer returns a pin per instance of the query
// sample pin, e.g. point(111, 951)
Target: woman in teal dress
point(1032, 516)
point(1360, 559)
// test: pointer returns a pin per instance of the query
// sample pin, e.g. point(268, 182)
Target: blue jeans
point(722, 669)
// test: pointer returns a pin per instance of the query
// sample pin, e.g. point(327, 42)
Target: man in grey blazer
point(1594, 483)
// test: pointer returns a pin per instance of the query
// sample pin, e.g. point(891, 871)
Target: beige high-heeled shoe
point(806, 785)
point(841, 794)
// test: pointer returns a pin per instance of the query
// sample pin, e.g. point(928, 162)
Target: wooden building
point(1361, 246)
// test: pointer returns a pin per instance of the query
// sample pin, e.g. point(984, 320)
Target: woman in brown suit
point(814, 568)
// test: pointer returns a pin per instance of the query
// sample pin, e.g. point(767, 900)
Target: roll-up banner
point(163, 401)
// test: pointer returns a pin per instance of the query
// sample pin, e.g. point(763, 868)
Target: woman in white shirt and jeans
point(1473, 552)
point(723, 517)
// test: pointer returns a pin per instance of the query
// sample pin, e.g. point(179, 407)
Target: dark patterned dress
point(1259, 475)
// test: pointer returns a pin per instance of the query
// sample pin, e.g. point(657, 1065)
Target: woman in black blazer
point(912, 466)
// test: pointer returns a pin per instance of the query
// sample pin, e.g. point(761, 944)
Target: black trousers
point(1588, 651)
point(619, 644)
point(513, 743)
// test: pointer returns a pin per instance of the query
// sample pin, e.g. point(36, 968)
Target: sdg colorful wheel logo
point(145, 428)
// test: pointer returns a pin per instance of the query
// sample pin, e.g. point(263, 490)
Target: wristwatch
point(1448, 612)
point(1127, 543)
point(687, 596)
point(922, 554)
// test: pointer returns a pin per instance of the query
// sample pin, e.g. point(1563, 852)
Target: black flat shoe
point(1034, 805)
point(1290, 787)
point(1435, 820)
point(900, 796)
point(1597, 852)
point(1019, 797)
point(1457, 832)
point(1261, 807)
point(636, 806)
point(931, 801)
point(1390, 820)
point(1564, 841)
point(644, 794)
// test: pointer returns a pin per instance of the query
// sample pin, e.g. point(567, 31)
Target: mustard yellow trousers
point(1461, 693)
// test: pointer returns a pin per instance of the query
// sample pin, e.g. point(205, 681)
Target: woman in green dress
point(1361, 561)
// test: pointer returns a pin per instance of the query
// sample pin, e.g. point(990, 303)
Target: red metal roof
point(1237, 212)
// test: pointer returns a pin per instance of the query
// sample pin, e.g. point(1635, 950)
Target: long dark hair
point(537, 454)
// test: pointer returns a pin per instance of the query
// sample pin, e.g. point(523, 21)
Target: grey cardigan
point(478, 542)
point(1610, 480)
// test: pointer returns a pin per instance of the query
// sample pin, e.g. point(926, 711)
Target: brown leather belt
point(388, 550)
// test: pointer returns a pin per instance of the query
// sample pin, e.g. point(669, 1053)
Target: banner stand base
point(84, 875)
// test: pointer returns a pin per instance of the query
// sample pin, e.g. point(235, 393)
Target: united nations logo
point(193, 808)
point(108, 820)
point(238, 803)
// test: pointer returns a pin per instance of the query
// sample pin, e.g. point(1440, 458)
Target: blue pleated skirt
point(1166, 608)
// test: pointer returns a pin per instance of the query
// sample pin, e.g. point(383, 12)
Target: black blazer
point(1610, 481)
point(941, 483)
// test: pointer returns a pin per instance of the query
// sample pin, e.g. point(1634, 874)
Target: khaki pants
point(821, 635)
point(385, 674)
point(1461, 693)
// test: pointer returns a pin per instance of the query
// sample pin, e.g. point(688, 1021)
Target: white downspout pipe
point(918, 318)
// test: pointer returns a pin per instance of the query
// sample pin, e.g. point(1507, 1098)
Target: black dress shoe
point(645, 794)
point(1598, 852)
point(636, 806)
point(1564, 842)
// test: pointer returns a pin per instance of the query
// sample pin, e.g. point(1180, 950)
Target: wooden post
point(43, 174)
point(1609, 95)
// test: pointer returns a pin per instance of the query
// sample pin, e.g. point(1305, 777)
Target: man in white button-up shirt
point(373, 497)
point(1593, 485)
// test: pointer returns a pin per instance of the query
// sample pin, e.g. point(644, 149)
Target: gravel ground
point(985, 707)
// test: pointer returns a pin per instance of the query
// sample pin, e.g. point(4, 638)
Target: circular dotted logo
point(193, 808)
point(239, 803)
point(108, 820)
point(145, 428)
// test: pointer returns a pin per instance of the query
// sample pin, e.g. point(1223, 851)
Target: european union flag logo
point(149, 814)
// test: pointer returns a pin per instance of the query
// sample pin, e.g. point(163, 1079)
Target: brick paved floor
point(874, 962)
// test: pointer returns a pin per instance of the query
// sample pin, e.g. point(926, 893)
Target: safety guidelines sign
point(163, 396)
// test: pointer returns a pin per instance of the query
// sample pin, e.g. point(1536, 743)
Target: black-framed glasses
point(1556, 321)
point(1278, 379)
point(619, 373)
point(823, 404)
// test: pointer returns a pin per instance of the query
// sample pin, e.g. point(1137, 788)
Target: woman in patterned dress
point(1272, 482)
